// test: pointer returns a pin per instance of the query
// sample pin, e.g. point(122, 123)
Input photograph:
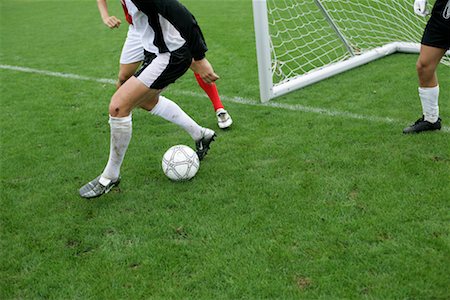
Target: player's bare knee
point(116, 110)
point(424, 70)
point(420, 66)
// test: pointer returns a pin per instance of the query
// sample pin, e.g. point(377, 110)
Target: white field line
point(239, 100)
point(56, 74)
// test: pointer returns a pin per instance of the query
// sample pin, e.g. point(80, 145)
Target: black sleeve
point(181, 18)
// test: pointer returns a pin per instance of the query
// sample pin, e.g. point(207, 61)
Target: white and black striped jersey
point(165, 26)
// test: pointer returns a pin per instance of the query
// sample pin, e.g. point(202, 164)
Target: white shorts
point(132, 50)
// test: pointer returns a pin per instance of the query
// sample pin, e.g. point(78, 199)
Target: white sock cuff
point(429, 90)
point(124, 122)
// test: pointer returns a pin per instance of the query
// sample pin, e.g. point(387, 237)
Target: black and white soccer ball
point(180, 163)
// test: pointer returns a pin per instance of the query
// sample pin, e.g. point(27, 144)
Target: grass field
point(316, 195)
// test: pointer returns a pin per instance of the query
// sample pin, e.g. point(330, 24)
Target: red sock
point(211, 90)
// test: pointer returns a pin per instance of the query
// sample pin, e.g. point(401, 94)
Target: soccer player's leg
point(427, 63)
point(435, 42)
point(223, 117)
point(428, 90)
point(131, 94)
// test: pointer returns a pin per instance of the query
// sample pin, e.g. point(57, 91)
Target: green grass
point(288, 204)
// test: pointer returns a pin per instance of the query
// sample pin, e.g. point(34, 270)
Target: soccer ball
point(180, 163)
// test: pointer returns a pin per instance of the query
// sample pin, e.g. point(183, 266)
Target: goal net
point(300, 42)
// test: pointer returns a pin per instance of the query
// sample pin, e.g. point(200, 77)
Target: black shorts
point(437, 31)
point(160, 70)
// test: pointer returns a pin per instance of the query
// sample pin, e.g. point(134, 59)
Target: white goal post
point(300, 42)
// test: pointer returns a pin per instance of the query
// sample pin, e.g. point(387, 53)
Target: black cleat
point(202, 145)
point(95, 189)
point(422, 125)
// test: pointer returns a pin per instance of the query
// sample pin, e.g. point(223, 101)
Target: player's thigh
point(128, 70)
point(131, 94)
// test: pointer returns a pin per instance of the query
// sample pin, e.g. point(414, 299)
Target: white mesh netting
point(302, 39)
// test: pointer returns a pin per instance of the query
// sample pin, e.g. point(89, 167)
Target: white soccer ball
point(180, 163)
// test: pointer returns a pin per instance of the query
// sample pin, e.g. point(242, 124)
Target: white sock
point(170, 111)
point(121, 129)
point(429, 98)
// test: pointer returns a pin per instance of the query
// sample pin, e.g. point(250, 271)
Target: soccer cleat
point(223, 118)
point(422, 125)
point(202, 145)
point(94, 188)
